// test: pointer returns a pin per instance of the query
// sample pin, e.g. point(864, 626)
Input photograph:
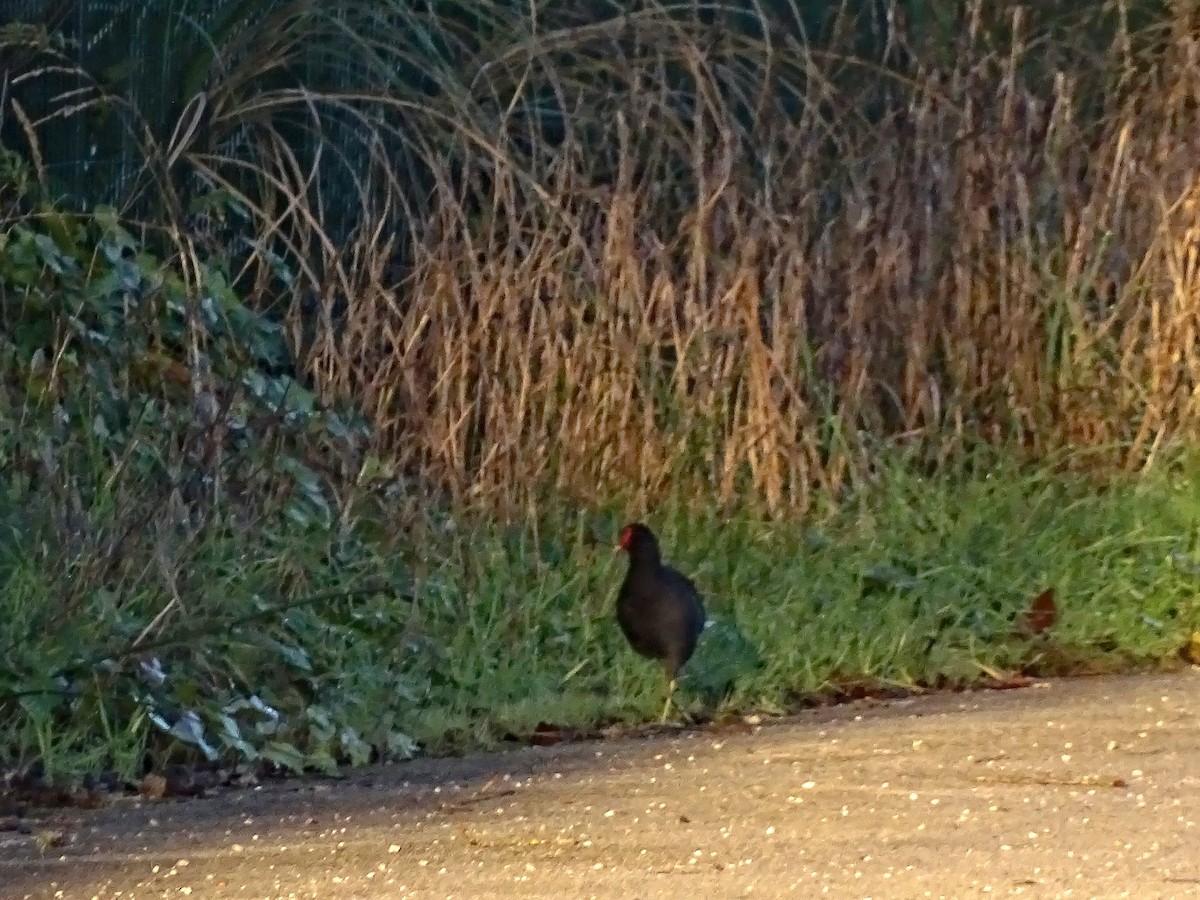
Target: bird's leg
point(667, 705)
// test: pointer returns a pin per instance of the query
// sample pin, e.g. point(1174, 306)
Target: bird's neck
point(645, 560)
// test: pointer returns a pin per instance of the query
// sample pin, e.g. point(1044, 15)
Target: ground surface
point(1086, 788)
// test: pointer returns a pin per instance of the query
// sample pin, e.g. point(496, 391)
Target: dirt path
point(1085, 788)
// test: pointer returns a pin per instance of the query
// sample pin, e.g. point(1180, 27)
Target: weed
point(313, 442)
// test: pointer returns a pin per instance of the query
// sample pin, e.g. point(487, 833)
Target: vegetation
point(317, 433)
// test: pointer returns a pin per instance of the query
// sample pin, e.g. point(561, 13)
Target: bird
point(658, 608)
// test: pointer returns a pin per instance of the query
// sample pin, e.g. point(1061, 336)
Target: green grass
point(261, 588)
point(917, 583)
point(252, 583)
point(453, 636)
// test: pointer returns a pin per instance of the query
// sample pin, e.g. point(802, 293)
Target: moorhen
point(658, 608)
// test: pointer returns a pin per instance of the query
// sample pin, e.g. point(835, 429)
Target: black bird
point(658, 608)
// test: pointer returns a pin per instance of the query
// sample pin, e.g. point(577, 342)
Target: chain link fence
point(137, 48)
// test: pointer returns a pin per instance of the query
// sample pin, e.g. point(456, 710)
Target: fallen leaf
point(49, 838)
point(1004, 680)
point(1192, 651)
point(1041, 615)
point(153, 787)
point(546, 735)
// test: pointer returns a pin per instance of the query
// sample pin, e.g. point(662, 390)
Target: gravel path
point(1083, 788)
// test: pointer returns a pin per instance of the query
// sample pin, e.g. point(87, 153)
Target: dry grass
point(983, 264)
point(627, 262)
point(715, 274)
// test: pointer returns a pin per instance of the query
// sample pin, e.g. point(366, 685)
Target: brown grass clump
point(738, 266)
